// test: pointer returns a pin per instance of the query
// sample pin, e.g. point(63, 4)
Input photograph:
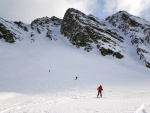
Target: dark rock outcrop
point(86, 31)
point(6, 34)
point(41, 23)
point(22, 25)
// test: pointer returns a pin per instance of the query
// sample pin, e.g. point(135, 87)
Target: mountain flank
point(109, 37)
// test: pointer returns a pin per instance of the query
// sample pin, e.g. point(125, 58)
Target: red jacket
point(100, 88)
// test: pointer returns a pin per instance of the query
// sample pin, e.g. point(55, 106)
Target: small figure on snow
point(99, 89)
point(49, 70)
point(76, 78)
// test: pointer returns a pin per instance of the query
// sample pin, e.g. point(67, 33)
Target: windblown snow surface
point(27, 86)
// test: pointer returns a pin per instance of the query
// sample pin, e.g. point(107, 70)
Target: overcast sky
point(28, 10)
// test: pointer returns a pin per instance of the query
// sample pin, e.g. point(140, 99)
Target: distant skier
point(99, 89)
point(49, 70)
point(76, 78)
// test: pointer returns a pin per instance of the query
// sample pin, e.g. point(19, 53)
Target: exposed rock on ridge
point(89, 32)
point(12, 31)
point(5, 32)
point(137, 29)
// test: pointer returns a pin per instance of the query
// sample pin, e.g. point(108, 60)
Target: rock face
point(89, 32)
point(6, 33)
point(22, 25)
point(137, 29)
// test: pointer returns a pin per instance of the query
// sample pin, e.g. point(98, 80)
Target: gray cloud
point(135, 7)
point(28, 10)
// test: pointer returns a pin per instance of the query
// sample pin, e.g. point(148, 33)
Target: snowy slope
point(27, 86)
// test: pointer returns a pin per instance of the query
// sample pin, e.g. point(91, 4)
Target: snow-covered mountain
point(109, 37)
point(14, 31)
point(40, 61)
point(136, 30)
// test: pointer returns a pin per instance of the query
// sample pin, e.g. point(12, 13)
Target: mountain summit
point(89, 32)
point(118, 35)
point(137, 31)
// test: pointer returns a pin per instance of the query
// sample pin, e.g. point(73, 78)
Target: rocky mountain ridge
point(87, 32)
point(137, 30)
point(13, 31)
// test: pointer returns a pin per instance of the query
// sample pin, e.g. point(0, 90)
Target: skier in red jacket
point(99, 89)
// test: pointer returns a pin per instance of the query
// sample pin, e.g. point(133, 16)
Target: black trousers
point(99, 93)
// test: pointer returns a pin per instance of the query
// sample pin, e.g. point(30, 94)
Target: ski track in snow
point(43, 92)
point(74, 101)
